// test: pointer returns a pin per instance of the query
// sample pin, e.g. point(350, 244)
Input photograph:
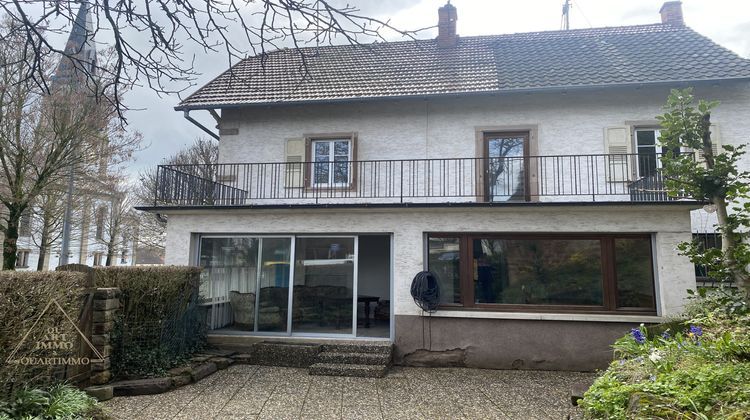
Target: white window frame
point(331, 159)
point(656, 147)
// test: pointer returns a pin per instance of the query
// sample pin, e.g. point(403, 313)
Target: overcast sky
point(727, 22)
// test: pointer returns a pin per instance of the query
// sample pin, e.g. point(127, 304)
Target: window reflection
point(542, 272)
point(323, 285)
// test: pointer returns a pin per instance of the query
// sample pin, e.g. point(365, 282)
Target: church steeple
point(80, 51)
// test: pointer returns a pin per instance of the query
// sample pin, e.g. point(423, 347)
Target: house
point(521, 169)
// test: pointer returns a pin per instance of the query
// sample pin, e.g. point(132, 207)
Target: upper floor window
point(332, 165)
point(101, 214)
point(649, 150)
point(506, 160)
point(22, 258)
point(24, 225)
point(647, 147)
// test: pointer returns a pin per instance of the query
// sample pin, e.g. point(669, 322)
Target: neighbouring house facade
point(522, 170)
point(90, 237)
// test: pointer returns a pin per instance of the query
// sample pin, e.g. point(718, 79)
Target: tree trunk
point(728, 236)
point(729, 245)
point(110, 256)
point(10, 243)
point(111, 244)
point(43, 245)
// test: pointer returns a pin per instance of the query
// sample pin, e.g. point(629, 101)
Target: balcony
point(465, 181)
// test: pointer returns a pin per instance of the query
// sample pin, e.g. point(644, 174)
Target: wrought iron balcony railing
point(562, 178)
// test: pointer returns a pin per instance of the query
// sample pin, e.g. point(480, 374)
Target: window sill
point(537, 316)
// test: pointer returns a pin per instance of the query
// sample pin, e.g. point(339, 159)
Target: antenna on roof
point(565, 24)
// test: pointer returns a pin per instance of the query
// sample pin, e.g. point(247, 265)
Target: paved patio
point(262, 392)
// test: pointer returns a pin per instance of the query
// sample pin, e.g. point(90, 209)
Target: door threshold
point(226, 337)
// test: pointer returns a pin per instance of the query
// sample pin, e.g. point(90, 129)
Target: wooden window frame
point(309, 162)
point(609, 275)
point(486, 136)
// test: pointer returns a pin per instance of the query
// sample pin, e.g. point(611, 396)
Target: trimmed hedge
point(160, 323)
point(23, 297)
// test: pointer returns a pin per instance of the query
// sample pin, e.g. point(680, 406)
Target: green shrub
point(159, 324)
point(23, 297)
point(58, 402)
point(699, 368)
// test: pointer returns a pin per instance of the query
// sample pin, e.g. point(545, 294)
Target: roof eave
point(454, 94)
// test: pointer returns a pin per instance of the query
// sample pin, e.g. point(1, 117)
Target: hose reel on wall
point(425, 290)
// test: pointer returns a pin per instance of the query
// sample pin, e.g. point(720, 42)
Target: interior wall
point(374, 266)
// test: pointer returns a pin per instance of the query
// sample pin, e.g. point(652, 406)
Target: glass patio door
point(247, 281)
point(273, 285)
point(229, 281)
point(324, 283)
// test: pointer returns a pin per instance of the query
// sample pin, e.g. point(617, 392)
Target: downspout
point(199, 125)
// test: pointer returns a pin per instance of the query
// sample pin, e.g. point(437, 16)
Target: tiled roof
point(524, 61)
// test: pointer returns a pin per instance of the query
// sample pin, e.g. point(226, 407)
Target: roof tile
point(534, 60)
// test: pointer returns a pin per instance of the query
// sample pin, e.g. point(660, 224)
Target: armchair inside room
point(243, 309)
point(272, 307)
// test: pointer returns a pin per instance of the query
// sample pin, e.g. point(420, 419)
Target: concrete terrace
point(263, 392)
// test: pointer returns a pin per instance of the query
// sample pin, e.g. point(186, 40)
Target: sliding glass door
point(247, 282)
point(230, 273)
point(273, 284)
point(324, 271)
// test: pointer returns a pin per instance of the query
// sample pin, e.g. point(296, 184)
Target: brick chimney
point(671, 13)
point(447, 17)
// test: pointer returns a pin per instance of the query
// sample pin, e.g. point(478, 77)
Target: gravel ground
point(262, 392)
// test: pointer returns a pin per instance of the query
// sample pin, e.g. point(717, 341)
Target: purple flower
point(696, 330)
point(665, 335)
point(638, 336)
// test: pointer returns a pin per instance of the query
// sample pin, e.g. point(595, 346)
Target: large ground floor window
point(593, 273)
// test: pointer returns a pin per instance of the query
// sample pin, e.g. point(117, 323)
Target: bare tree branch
point(152, 39)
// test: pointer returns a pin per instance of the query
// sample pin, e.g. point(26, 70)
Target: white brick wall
point(568, 123)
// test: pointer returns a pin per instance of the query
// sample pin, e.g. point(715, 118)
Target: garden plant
point(697, 367)
point(56, 402)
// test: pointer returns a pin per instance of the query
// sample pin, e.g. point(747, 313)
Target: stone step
point(342, 369)
point(354, 358)
point(280, 354)
point(386, 348)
